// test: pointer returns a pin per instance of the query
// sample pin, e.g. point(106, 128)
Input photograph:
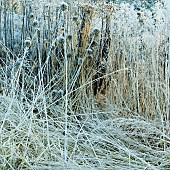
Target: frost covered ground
point(84, 86)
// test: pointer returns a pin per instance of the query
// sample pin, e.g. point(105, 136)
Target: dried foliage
point(84, 86)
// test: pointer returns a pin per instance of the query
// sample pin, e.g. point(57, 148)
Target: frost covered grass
point(84, 86)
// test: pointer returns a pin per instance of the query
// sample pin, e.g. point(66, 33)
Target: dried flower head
point(96, 32)
point(75, 18)
point(35, 23)
point(69, 55)
point(69, 37)
point(28, 43)
point(64, 6)
point(90, 57)
point(32, 16)
point(35, 110)
point(61, 40)
point(80, 61)
point(61, 92)
point(88, 9)
point(54, 93)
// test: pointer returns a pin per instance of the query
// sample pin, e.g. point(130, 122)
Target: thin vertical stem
point(66, 99)
point(5, 23)
point(0, 20)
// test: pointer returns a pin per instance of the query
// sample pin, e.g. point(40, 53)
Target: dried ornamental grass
point(88, 90)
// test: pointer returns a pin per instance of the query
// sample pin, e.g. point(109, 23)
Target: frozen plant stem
point(66, 99)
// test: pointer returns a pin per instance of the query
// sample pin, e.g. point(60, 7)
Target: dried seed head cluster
point(64, 6)
point(88, 9)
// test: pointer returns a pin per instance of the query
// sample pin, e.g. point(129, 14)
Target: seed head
point(61, 40)
point(54, 93)
point(96, 32)
point(69, 37)
point(69, 55)
point(80, 61)
point(35, 23)
point(75, 18)
point(35, 110)
point(88, 9)
point(28, 43)
point(64, 6)
point(31, 16)
point(90, 57)
point(61, 92)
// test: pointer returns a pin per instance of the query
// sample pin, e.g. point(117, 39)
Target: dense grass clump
point(84, 86)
